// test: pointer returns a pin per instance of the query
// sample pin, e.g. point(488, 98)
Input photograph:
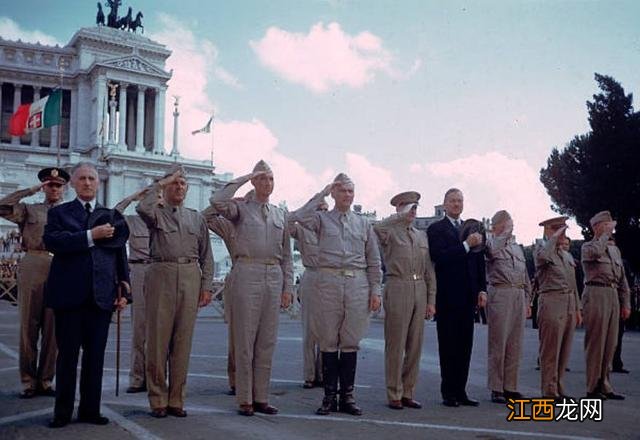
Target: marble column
point(73, 118)
point(17, 97)
point(122, 123)
point(175, 151)
point(158, 138)
point(140, 120)
point(35, 136)
point(112, 120)
point(100, 92)
point(0, 110)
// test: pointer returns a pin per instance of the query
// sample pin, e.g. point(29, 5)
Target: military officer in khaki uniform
point(509, 296)
point(261, 283)
point(347, 288)
point(139, 260)
point(559, 306)
point(308, 246)
point(36, 320)
point(409, 297)
point(177, 282)
point(227, 231)
point(605, 300)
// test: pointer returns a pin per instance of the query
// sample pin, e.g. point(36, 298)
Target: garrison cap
point(405, 198)
point(262, 166)
point(500, 217)
point(343, 179)
point(555, 222)
point(602, 216)
point(57, 175)
point(174, 168)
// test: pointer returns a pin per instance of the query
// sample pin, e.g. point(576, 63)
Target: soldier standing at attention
point(558, 306)
point(605, 300)
point(262, 282)
point(36, 320)
point(409, 297)
point(177, 282)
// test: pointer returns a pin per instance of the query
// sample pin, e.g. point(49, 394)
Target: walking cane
point(118, 341)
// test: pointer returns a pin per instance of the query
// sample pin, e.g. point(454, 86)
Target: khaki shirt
point(307, 239)
point(138, 234)
point(602, 263)
point(345, 241)
point(222, 227)
point(506, 264)
point(177, 232)
point(555, 270)
point(30, 217)
point(261, 234)
point(406, 252)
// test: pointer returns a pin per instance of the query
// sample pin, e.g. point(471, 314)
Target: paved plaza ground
point(212, 414)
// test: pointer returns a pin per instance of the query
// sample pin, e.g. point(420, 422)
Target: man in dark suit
point(460, 278)
point(88, 267)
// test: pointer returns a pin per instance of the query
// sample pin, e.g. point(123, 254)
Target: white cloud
point(374, 185)
point(326, 57)
point(10, 30)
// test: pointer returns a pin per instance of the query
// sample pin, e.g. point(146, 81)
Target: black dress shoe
point(467, 401)
point(232, 391)
point(28, 393)
point(176, 412)
point(140, 389)
point(620, 370)
point(411, 403)
point(614, 396)
point(158, 413)
point(498, 397)
point(59, 422)
point(513, 395)
point(264, 408)
point(94, 420)
point(246, 409)
point(48, 392)
point(308, 384)
point(395, 404)
point(452, 403)
point(596, 395)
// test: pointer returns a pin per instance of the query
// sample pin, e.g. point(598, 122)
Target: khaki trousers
point(36, 322)
point(505, 316)
point(171, 291)
point(557, 323)
point(231, 363)
point(405, 304)
point(312, 361)
point(601, 314)
point(341, 318)
point(255, 304)
point(137, 370)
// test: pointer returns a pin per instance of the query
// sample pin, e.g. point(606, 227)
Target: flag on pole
point(41, 114)
point(205, 129)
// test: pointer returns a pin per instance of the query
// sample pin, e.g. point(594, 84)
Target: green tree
point(600, 170)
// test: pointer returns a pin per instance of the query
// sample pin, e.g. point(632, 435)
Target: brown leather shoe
point(48, 392)
point(159, 413)
point(264, 408)
point(246, 409)
point(133, 390)
point(410, 403)
point(176, 412)
point(28, 393)
point(395, 404)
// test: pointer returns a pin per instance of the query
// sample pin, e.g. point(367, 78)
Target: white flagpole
point(212, 139)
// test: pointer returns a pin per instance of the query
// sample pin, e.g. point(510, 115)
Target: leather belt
point(347, 273)
point(509, 286)
point(598, 284)
point(178, 260)
point(141, 261)
point(39, 252)
point(410, 277)
point(558, 291)
point(265, 261)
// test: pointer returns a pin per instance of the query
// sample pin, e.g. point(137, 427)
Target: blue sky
point(400, 94)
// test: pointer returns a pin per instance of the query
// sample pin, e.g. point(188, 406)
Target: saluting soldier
point(308, 246)
point(36, 320)
point(347, 288)
point(558, 306)
point(409, 298)
point(509, 296)
point(262, 282)
point(227, 231)
point(606, 299)
point(177, 282)
point(139, 260)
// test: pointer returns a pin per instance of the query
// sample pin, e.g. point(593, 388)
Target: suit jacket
point(460, 275)
point(78, 271)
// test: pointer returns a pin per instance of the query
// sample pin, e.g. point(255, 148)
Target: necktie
point(265, 211)
point(458, 224)
point(87, 208)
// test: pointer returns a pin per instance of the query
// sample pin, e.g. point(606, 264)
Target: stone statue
point(100, 15)
point(137, 23)
point(112, 18)
point(112, 89)
point(125, 22)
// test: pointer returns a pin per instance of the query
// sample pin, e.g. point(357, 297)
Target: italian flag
point(37, 115)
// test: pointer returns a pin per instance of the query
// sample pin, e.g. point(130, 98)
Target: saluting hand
point(102, 231)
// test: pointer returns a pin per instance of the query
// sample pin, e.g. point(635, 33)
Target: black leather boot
point(347, 403)
point(330, 378)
